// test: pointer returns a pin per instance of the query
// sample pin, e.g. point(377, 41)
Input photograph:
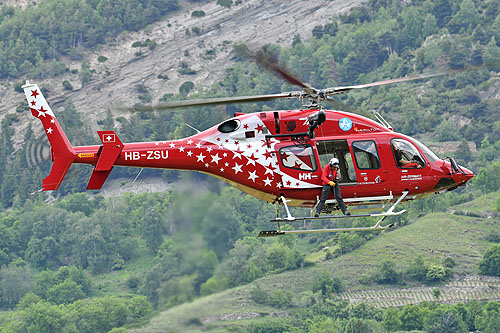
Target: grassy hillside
point(435, 236)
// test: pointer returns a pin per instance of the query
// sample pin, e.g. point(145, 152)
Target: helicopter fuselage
point(270, 154)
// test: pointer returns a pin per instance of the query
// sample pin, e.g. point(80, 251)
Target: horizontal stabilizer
point(109, 152)
point(97, 179)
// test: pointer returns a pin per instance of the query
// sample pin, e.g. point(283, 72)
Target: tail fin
point(63, 153)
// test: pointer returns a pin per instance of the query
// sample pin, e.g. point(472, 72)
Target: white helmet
point(334, 161)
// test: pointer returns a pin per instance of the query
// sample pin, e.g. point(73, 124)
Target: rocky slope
point(114, 81)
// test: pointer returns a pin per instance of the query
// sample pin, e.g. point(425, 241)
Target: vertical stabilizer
point(63, 153)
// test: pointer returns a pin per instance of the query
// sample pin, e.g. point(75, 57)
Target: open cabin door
point(298, 165)
point(339, 149)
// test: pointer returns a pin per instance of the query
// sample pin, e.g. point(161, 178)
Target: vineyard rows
point(463, 289)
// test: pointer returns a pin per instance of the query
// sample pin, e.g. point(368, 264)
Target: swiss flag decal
point(108, 138)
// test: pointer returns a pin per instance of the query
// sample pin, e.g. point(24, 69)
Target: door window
point(300, 157)
point(366, 155)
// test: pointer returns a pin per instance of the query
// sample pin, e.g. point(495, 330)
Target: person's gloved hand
point(331, 183)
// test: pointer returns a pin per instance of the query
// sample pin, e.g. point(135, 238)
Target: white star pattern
point(200, 157)
point(251, 160)
point(237, 168)
point(52, 121)
point(253, 175)
point(236, 155)
point(215, 158)
point(49, 130)
point(257, 158)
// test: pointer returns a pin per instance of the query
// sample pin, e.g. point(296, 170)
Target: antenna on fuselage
point(381, 120)
point(191, 127)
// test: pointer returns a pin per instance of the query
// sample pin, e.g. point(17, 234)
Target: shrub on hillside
point(490, 264)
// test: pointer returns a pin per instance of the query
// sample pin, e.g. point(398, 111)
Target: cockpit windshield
point(427, 152)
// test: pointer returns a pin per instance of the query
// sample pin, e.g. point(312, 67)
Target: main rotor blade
point(340, 90)
point(210, 101)
point(265, 59)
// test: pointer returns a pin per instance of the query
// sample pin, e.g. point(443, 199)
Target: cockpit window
point(229, 126)
point(406, 155)
point(299, 157)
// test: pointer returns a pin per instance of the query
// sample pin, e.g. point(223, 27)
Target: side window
point(366, 155)
point(406, 155)
point(300, 157)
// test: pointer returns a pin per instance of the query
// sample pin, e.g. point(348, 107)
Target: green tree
point(490, 263)
point(468, 15)
point(391, 320)
point(444, 320)
point(387, 273)
point(15, 282)
point(412, 318)
point(65, 292)
point(152, 228)
point(221, 229)
point(435, 273)
point(326, 283)
point(28, 299)
point(417, 269)
point(43, 317)
point(77, 202)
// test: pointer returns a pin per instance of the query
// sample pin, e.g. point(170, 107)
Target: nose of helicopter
point(463, 177)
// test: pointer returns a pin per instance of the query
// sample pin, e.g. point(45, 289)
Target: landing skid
point(290, 218)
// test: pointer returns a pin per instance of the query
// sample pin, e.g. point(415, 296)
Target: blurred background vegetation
point(85, 263)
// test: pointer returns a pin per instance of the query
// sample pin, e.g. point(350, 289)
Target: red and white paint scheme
point(270, 155)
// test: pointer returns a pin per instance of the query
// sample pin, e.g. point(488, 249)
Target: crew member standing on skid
point(330, 177)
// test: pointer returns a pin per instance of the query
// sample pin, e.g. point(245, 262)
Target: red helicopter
point(276, 156)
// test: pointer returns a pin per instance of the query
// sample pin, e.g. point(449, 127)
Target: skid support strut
point(290, 218)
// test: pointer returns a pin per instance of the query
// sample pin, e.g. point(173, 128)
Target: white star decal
point(157, 143)
point(250, 161)
point(253, 175)
point(237, 168)
point(206, 165)
point(181, 149)
point(189, 141)
point(226, 164)
point(236, 155)
point(269, 171)
point(209, 149)
point(49, 130)
point(221, 169)
point(200, 157)
point(52, 121)
point(198, 145)
point(215, 158)
point(41, 113)
point(189, 153)
point(172, 145)
point(224, 155)
point(267, 181)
